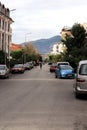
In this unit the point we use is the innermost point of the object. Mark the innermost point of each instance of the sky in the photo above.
(41, 19)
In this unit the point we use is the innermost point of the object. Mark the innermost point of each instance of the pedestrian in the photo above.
(40, 65)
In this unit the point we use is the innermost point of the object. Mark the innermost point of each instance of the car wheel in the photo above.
(59, 77)
(56, 76)
(73, 77)
(77, 95)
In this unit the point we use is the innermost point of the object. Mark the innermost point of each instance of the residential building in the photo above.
(5, 30)
(57, 48)
(85, 26)
(65, 31)
(15, 47)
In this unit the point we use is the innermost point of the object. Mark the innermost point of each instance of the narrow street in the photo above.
(36, 100)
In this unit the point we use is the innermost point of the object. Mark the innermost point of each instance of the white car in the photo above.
(62, 63)
(80, 85)
(4, 71)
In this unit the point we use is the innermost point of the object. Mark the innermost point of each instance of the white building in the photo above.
(5, 30)
(85, 26)
(65, 31)
(57, 48)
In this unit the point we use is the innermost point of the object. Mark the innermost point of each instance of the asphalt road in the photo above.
(36, 100)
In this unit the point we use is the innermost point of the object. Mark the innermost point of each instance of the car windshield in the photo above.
(17, 66)
(65, 67)
(83, 69)
(63, 63)
(2, 67)
(54, 65)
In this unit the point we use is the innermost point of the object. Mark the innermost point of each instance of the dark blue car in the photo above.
(64, 71)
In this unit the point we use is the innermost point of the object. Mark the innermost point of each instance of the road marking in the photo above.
(32, 79)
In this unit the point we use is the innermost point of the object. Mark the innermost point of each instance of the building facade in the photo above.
(57, 48)
(15, 47)
(85, 26)
(5, 30)
(65, 31)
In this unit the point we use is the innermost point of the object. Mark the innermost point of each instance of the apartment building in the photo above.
(65, 31)
(57, 48)
(15, 47)
(5, 30)
(85, 26)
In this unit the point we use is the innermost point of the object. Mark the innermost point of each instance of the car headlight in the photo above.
(3, 72)
(62, 73)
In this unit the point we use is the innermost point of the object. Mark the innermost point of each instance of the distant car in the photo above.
(53, 67)
(80, 84)
(27, 66)
(4, 71)
(63, 63)
(18, 68)
(64, 71)
(49, 63)
(31, 64)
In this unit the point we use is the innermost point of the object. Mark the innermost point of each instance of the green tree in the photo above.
(30, 49)
(75, 44)
(79, 34)
(28, 53)
(31, 52)
(17, 54)
(56, 58)
(17, 57)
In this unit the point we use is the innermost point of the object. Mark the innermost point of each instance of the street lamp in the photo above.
(26, 37)
(10, 40)
(12, 10)
(25, 44)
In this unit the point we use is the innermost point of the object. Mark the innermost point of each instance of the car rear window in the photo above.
(63, 64)
(54, 65)
(83, 69)
(2, 67)
(66, 67)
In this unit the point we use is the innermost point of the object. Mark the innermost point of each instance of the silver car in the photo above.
(4, 71)
(80, 85)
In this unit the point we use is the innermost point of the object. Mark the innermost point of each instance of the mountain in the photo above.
(44, 45)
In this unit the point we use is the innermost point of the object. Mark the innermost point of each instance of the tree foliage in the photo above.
(56, 58)
(76, 44)
(79, 34)
(28, 53)
(30, 49)
(17, 54)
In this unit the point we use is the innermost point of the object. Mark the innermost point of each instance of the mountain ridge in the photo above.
(44, 45)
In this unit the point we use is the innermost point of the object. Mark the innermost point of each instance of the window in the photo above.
(8, 27)
(0, 23)
(83, 69)
(3, 24)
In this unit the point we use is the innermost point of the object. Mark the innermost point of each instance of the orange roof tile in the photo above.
(15, 47)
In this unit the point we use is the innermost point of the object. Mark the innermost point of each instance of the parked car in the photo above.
(63, 63)
(18, 68)
(4, 71)
(53, 67)
(80, 84)
(49, 63)
(64, 71)
(31, 64)
(27, 66)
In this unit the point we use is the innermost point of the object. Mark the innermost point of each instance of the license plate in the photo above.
(69, 75)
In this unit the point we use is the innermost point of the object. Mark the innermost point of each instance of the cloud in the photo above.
(44, 18)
